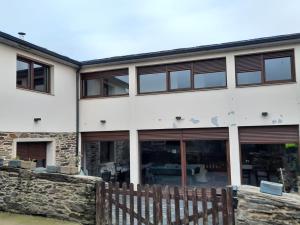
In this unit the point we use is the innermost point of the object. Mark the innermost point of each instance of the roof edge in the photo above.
(288, 38)
(35, 49)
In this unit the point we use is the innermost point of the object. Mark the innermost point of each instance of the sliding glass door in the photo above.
(194, 157)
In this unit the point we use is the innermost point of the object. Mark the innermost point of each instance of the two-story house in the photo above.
(205, 116)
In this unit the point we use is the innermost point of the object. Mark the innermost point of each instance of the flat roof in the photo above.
(274, 40)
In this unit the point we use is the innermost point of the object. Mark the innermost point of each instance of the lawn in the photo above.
(16, 219)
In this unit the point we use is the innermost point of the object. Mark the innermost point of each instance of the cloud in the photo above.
(96, 29)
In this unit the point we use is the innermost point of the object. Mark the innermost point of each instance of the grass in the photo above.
(16, 219)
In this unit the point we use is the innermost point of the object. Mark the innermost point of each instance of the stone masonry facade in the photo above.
(65, 145)
(255, 208)
(71, 198)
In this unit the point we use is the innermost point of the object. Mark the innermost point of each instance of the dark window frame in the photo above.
(101, 75)
(31, 75)
(264, 56)
(168, 68)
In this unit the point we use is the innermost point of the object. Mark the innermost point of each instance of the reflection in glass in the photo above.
(161, 162)
(208, 80)
(152, 82)
(206, 163)
(263, 162)
(180, 79)
(278, 69)
(92, 87)
(107, 159)
(249, 78)
(22, 74)
(40, 77)
(116, 85)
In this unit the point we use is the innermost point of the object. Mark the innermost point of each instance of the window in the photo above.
(207, 80)
(105, 83)
(106, 155)
(278, 69)
(153, 82)
(33, 75)
(182, 76)
(180, 79)
(265, 68)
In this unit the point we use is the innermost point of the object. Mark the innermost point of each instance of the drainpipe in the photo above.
(77, 113)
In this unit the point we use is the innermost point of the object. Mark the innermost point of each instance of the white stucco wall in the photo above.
(19, 107)
(230, 107)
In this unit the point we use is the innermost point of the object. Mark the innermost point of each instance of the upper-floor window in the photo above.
(33, 75)
(182, 76)
(264, 68)
(105, 83)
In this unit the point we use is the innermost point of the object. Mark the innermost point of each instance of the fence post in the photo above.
(100, 201)
(230, 206)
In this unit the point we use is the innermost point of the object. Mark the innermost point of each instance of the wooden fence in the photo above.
(153, 205)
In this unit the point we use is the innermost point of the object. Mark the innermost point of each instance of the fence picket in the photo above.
(159, 204)
(131, 204)
(168, 205)
(124, 198)
(177, 210)
(98, 204)
(109, 203)
(204, 206)
(117, 199)
(147, 203)
(224, 207)
(186, 205)
(230, 206)
(195, 206)
(139, 204)
(214, 203)
(154, 197)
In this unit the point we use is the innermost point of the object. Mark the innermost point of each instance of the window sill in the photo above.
(266, 84)
(103, 97)
(34, 91)
(182, 91)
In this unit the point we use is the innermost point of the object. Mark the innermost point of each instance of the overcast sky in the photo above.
(90, 29)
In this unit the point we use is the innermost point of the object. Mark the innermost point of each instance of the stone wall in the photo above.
(53, 195)
(65, 145)
(258, 208)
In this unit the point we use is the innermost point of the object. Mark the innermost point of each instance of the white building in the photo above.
(206, 116)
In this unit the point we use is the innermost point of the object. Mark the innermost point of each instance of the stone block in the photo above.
(14, 163)
(1, 162)
(28, 165)
(71, 170)
(52, 169)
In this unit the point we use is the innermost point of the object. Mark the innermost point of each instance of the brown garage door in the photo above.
(34, 151)
(269, 135)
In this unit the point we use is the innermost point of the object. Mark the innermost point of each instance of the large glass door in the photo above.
(185, 157)
(206, 163)
(161, 162)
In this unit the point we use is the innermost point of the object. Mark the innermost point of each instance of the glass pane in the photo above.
(116, 85)
(278, 69)
(107, 159)
(207, 80)
(161, 162)
(92, 87)
(249, 78)
(41, 74)
(180, 79)
(153, 82)
(206, 163)
(23, 74)
(263, 162)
